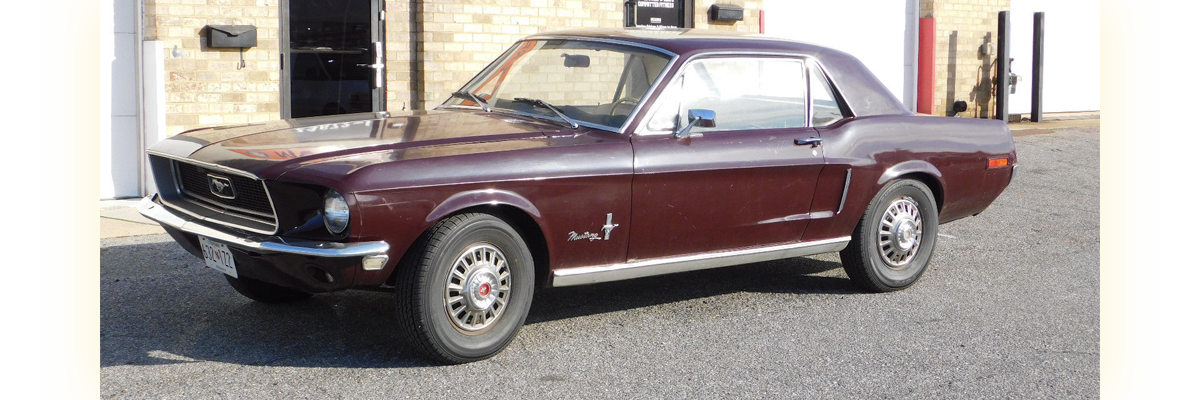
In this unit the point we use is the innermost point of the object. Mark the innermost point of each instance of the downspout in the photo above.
(912, 40)
(416, 49)
(138, 77)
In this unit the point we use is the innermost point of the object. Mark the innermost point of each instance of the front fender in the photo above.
(484, 197)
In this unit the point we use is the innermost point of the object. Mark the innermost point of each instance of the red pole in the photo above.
(925, 56)
(762, 21)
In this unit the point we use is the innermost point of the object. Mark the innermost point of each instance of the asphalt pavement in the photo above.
(1009, 308)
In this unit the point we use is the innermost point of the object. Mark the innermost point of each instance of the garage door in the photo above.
(872, 30)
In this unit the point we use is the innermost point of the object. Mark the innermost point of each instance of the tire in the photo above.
(265, 292)
(881, 261)
(464, 288)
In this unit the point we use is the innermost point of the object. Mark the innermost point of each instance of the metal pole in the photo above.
(1039, 36)
(1002, 68)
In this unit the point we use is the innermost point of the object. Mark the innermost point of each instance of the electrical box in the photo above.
(659, 14)
(725, 12)
(232, 36)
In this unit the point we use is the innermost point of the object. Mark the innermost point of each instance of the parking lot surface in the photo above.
(1008, 308)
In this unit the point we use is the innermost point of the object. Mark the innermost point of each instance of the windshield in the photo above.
(590, 82)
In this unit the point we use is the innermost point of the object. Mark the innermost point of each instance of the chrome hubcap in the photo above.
(900, 232)
(477, 288)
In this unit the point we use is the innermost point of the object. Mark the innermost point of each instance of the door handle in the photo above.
(377, 65)
(813, 141)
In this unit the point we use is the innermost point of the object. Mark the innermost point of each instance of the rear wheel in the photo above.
(265, 292)
(465, 290)
(894, 239)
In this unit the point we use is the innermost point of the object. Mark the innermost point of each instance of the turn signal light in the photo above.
(998, 162)
(374, 263)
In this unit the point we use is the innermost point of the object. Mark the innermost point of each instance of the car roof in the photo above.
(861, 90)
(684, 41)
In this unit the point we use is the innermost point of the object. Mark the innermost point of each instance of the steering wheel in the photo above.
(630, 100)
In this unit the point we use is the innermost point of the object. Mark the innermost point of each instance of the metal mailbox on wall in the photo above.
(659, 13)
(232, 36)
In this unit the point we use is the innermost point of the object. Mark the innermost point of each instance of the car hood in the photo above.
(270, 149)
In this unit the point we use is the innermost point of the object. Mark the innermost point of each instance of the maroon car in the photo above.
(581, 157)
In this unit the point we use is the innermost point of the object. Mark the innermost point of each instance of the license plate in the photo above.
(217, 256)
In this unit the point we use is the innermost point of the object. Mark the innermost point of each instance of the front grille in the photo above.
(250, 200)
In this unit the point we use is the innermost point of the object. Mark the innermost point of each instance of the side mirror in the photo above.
(698, 117)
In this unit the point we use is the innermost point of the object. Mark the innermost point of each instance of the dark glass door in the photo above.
(333, 58)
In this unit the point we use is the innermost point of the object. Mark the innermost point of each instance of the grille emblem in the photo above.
(221, 187)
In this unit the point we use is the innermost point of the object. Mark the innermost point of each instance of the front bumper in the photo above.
(307, 265)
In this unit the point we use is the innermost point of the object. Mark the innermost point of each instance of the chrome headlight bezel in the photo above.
(335, 212)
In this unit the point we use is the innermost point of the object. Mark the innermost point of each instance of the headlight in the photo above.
(337, 212)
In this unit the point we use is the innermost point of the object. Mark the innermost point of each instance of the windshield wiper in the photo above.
(471, 96)
(539, 102)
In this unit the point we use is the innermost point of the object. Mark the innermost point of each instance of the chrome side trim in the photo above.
(273, 244)
(845, 191)
(695, 262)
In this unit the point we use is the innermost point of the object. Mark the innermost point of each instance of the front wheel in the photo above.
(894, 240)
(465, 290)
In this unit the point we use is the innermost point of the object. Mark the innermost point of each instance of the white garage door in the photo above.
(1072, 53)
(872, 30)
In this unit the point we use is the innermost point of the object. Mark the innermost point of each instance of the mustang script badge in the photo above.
(607, 228)
(571, 237)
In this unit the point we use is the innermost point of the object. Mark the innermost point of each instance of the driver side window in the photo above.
(746, 93)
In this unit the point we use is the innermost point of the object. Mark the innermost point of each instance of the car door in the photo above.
(747, 181)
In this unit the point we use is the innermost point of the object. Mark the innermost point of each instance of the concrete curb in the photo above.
(120, 218)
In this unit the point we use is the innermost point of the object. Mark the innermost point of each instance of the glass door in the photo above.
(333, 58)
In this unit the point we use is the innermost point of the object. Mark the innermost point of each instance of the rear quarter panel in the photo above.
(950, 154)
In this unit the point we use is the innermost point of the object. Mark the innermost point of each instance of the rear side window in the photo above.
(825, 105)
(745, 93)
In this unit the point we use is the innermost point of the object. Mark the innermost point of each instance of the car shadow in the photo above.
(160, 305)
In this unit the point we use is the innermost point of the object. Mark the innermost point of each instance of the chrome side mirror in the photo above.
(698, 117)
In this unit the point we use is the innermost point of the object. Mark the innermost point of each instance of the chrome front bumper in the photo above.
(273, 244)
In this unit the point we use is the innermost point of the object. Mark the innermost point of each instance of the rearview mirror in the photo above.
(698, 117)
(576, 60)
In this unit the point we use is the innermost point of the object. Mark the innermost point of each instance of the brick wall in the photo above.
(963, 71)
(453, 39)
(460, 37)
(203, 85)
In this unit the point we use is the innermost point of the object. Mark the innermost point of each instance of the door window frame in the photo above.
(817, 71)
(812, 66)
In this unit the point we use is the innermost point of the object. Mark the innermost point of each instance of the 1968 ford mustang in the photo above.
(581, 157)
